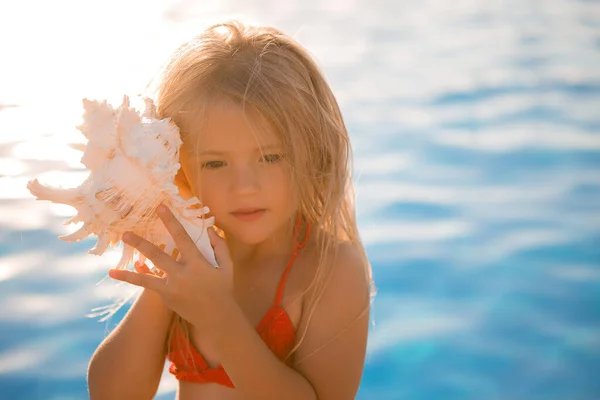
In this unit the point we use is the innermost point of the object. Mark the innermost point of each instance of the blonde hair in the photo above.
(268, 71)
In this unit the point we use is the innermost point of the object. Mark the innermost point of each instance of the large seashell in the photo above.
(133, 159)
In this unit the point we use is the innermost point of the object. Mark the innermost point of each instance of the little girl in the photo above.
(286, 313)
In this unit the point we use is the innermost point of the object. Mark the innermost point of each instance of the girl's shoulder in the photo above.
(334, 321)
(342, 267)
(348, 269)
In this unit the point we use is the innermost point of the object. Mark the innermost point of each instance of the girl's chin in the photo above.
(252, 232)
(249, 234)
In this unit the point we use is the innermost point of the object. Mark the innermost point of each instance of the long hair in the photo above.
(264, 69)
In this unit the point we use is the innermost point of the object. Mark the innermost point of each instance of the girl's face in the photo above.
(240, 174)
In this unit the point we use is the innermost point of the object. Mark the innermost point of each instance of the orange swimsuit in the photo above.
(275, 329)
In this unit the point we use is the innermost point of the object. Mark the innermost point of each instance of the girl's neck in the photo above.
(279, 245)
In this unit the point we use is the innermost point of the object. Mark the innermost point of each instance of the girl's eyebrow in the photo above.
(257, 149)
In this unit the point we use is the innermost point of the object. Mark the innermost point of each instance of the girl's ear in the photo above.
(183, 184)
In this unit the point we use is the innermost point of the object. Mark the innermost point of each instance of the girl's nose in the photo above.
(245, 180)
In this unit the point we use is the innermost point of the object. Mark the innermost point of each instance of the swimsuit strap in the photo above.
(297, 246)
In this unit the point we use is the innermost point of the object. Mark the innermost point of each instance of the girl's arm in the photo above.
(128, 364)
(329, 363)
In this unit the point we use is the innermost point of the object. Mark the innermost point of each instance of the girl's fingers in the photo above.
(183, 242)
(220, 249)
(147, 281)
(158, 257)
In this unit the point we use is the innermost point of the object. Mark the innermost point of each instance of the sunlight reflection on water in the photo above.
(477, 141)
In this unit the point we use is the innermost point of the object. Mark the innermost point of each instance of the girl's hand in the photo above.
(191, 287)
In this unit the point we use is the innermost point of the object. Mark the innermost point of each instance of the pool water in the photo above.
(476, 129)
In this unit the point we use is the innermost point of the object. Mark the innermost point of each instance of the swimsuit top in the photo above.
(275, 329)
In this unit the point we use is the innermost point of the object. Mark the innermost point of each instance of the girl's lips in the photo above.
(249, 215)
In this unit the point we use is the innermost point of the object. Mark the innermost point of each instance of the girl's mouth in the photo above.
(249, 215)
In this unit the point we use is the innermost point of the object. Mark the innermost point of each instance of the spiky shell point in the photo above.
(133, 158)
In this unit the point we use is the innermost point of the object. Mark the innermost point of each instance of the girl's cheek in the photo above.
(211, 196)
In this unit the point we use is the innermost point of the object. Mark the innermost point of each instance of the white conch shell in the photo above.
(133, 160)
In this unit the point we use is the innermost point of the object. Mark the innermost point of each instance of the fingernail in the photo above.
(127, 236)
(112, 273)
(161, 209)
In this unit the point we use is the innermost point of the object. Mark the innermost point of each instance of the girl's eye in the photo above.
(213, 164)
(272, 158)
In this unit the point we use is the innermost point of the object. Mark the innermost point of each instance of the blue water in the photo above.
(476, 128)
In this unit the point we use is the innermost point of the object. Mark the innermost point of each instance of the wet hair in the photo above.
(261, 69)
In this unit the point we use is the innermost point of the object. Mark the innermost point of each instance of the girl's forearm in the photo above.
(129, 362)
(254, 370)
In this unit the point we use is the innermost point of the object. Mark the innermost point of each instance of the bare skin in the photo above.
(224, 305)
(254, 292)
